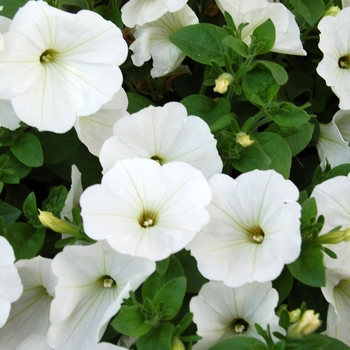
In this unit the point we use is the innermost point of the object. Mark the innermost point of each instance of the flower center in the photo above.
(147, 219)
(257, 234)
(344, 62)
(48, 56)
(108, 281)
(158, 159)
(239, 325)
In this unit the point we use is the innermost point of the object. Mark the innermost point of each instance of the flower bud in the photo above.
(294, 315)
(177, 344)
(244, 139)
(332, 11)
(56, 224)
(307, 324)
(334, 237)
(222, 83)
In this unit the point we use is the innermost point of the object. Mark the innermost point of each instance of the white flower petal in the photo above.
(143, 11)
(10, 283)
(331, 146)
(83, 307)
(256, 13)
(95, 129)
(259, 203)
(29, 321)
(133, 191)
(50, 95)
(166, 133)
(217, 307)
(152, 40)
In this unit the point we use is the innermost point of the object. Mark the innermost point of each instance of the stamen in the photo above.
(258, 238)
(108, 282)
(239, 328)
(148, 222)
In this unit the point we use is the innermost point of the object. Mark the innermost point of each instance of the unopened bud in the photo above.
(222, 82)
(177, 344)
(56, 224)
(294, 315)
(244, 139)
(332, 11)
(334, 237)
(307, 324)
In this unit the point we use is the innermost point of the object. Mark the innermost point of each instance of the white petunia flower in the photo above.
(337, 292)
(165, 134)
(58, 66)
(29, 319)
(334, 43)
(333, 202)
(152, 41)
(144, 11)
(333, 143)
(345, 3)
(10, 283)
(95, 129)
(221, 312)
(8, 117)
(256, 13)
(92, 282)
(145, 209)
(254, 228)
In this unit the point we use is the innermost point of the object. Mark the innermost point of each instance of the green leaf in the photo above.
(11, 7)
(283, 284)
(8, 213)
(162, 266)
(130, 321)
(297, 137)
(26, 241)
(308, 211)
(222, 123)
(309, 268)
(171, 295)
(335, 344)
(137, 102)
(309, 342)
(57, 147)
(264, 37)
(278, 72)
(27, 149)
(195, 280)
(284, 321)
(155, 282)
(241, 343)
(206, 108)
(30, 210)
(202, 42)
(236, 45)
(257, 84)
(311, 10)
(157, 338)
(286, 114)
(55, 201)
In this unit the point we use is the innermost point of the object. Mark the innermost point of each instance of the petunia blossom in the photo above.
(145, 209)
(334, 43)
(221, 312)
(333, 143)
(144, 11)
(8, 117)
(256, 13)
(166, 134)
(95, 129)
(152, 41)
(92, 282)
(333, 202)
(29, 319)
(53, 75)
(254, 228)
(10, 282)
